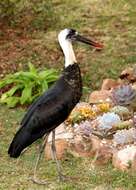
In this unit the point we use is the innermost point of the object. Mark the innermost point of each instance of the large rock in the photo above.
(92, 147)
(103, 152)
(109, 84)
(62, 138)
(125, 158)
(84, 147)
(129, 74)
(79, 146)
(61, 148)
(61, 132)
(133, 165)
(100, 96)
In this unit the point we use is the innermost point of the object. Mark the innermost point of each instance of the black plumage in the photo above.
(49, 110)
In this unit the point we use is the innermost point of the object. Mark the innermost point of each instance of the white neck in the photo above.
(68, 51)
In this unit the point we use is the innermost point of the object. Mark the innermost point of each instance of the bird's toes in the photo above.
(39, 182)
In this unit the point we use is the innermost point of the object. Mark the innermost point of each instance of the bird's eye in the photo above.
(71, 34)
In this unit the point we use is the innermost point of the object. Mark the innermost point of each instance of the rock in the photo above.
(61, 133)
(104, 152)
(133, 165)
(62, 138)
(81, 105)
(109, 84)
(123, 159)
(129, 74)
(96, 143)
(61, 148)
(84, 147)
(81, 147)
(100, 96)
(93, 147)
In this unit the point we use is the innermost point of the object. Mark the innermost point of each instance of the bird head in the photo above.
(72, 35)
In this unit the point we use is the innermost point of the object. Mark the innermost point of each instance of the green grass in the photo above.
(16, 173)
(108, 21)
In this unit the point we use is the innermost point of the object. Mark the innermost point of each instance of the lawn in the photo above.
(16, 174)
(107, 21)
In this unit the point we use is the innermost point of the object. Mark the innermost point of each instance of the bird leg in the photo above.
(53, 148)
(42, 147)
(62, 177)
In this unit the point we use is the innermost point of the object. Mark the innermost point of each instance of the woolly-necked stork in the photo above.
(53, 107)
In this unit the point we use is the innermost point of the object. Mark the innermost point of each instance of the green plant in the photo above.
(123, 95)
(26, 86)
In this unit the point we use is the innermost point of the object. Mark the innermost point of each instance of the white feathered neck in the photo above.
(67, 48)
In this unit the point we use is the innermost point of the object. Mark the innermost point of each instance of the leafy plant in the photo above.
(26, 86)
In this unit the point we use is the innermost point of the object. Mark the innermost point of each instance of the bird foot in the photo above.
(39, 182)
(62, 178)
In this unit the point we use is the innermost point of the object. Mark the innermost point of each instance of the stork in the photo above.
(53, 106)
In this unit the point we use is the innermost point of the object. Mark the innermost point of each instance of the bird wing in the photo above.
(31, 109)
(50, 109)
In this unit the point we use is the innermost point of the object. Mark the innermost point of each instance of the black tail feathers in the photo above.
(14, 150)
(18, 144)
(22, 139)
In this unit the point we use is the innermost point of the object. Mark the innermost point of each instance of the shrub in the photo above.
(26, 86)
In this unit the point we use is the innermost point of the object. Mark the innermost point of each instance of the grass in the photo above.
(108, 21)
(16, 174)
